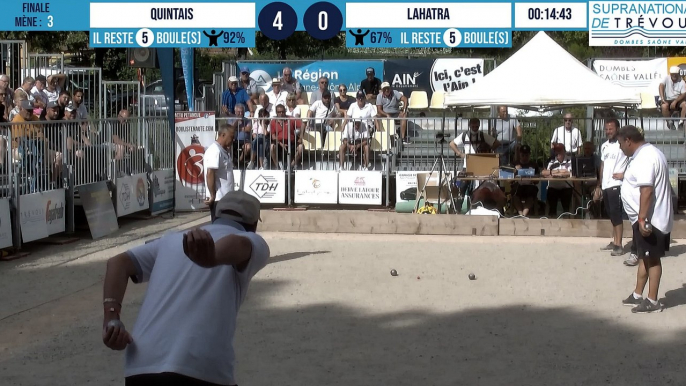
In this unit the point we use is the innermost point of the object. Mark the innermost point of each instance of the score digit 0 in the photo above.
(323, 20)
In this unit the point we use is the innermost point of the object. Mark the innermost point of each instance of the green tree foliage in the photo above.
(300, 45)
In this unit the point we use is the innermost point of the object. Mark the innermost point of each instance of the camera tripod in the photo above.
(442, 169)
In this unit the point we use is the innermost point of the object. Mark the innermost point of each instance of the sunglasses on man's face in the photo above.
(567, 120)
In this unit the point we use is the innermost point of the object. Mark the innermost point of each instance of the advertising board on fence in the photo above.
(359, 187)
(406, 186)
(5, 223)
(316, 187)
(644, 76)
(97, 203)
(195, 131)
(347, 72)
(445, 75)
(269, 186)
(42, 214)
(161, 191)
(132, 194)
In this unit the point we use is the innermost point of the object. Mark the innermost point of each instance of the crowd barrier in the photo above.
(51, 166)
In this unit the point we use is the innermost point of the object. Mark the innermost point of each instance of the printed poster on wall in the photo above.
(5, 223)
(161, 191)
(406, 186)
(269, 186)
(446, 75)
(347, 72)
(359, 187)
(97, 203)
(644, 76)
(316, 187)
(42, 214)
(132, 194)
(195, 131)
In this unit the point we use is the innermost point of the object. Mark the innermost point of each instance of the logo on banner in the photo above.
(265, 187)
(125, 196)
(406, 80)
(189, 163)
(316, 183)
(450, 75)
(262, 79)
(156, 189)
(359, 181)
(53, 214)
(637, 23)
(140, 191)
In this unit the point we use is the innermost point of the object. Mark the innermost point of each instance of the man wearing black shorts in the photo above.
(647, 199)
(612, 165)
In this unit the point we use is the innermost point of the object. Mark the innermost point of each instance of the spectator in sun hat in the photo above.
(249, 85)
(277, 96)
(371, 85)
(673, 96)
(207, 270)
(234, 95)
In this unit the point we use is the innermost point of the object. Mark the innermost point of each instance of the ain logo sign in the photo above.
(189, 164)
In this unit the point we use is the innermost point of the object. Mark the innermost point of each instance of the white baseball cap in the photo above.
(384, 85)
(674, 70)
(233, 79)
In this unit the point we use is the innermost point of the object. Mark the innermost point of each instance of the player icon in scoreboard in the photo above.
(213, 37)
(359, 36)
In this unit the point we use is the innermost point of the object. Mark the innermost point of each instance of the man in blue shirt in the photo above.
(233, 96)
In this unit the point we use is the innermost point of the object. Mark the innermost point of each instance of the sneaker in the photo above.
(251, 165)
(632, 260)
(406, 141)
(617, 251)
(647, 307)
(671, 126)
(632, 301)
(608, 247)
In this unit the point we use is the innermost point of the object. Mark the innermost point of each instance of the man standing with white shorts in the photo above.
(197, 282)
(218, 165)
(647, 198)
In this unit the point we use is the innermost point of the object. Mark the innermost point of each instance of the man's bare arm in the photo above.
(211, 186)
(645, 201)
(119, 269)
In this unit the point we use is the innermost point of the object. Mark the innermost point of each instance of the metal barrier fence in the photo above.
(44, 64)
(13, 55)
(88, 80)
(120, 95)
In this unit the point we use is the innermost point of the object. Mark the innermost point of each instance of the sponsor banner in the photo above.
(97, 203)
(269, 186)
(679, 62)
(347, 72)
(359, 187)
(446, 75)
(195, 131)
(5, 223)
(132, 194)
(636, 23)
(406, 186)
(42, 214)
(644, 76)
(316, 187)
(161, 191)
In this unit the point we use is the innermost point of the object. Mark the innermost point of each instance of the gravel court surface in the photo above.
(326, 311)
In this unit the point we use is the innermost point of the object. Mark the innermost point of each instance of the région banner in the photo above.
(195, 131)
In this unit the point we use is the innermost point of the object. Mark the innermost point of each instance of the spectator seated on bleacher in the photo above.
(277, 96)
(388, 106)
(243, 139)
(284, 141)
(317, 94)
(559, 191)
(233, 96)
(266, 105)
(371, 85)
(673, 96)
(525, 192)
(40, 97)
(361, 111)
(260, 140)
(19, 97)
(343, 100)
(124, 148)
(29, 143)
(355, 140)
(77, 135)
(292, 109)
(249, 85)
(52, 130)
(322, 115)
(291, 85)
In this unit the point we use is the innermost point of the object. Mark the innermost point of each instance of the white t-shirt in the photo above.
(353, 135)
(271, 108)
(614, 161)
(295, 113)
(571, 139)
(364, 114)
(52, 95)
(673, 90)
(321, 112)
(187, 321)
(277, 99)
(564, 165)
(648, 167)
(42, 95)
(505, 129)
(471, 142)
(217, 158)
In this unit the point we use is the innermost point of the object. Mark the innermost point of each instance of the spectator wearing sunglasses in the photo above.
(568, 135)
(343, 100)
(323, 86)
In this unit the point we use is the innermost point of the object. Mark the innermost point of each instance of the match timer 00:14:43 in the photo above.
(551, 16)
(537, 13)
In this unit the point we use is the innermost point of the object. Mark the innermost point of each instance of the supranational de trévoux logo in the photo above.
(637, 23)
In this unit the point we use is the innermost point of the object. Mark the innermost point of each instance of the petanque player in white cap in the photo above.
(673, 96)
(197, 281)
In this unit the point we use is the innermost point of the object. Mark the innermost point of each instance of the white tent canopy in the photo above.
(542, 74)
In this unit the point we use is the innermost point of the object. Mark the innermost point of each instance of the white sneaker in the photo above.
(632, 260)
(251, 165)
